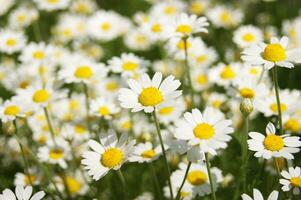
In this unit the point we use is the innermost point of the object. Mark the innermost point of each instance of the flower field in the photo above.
(150, 99)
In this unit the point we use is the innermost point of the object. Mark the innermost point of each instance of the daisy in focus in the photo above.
(269, 55)
(109, 154)
(258, 196)
(273, 145)
(207, 131)
(147, 94)
(291, 180)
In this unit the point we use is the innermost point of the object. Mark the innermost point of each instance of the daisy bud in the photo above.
(246, 106)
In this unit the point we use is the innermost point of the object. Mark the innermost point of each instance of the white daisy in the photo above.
(185, 25)
(51, 5)
(248, 35)
(145, 152)
(269, 55)
(102, 107)
(273, 145)
(147, 94)
(258, 196)
(21, 193)
(11, 41)
(226, 17)
(208, 131)
(291, 180)
(11, 109)
(109, 154)
(223, 74)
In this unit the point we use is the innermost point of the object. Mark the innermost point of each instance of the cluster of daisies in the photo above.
(73, 111)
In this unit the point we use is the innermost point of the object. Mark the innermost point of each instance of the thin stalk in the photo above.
(87, 101)
(122, 179)
(44, 168)
(52, 133)
(187, 68)
(210, 177)
(164, 153)
(244, 145)
(155, 178)
(26, 170)
(276, 87)
(183, 181)
(277, 168)
(37, 31)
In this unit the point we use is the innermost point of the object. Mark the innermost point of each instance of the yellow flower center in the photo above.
(253, 71)
(170, 10)
(39, 55)
(56, 154)
(148, 154)
(202, 79)
(156, 28)
(83, 72)
(111, 86)
(82, 8)
(141, 39)
(197, 8)
(273, 142)
(181, 45)
(21, 17)
(112, 157)
(274, 107)
(292, 125)
(197, 177)
(274, 53)
(204, 131)
(73, 104)
(104, 111)
(72, 184)
(296, 181)
(126, 125)
(184, 28)
(225, 17)
(53, 1)
(247, 93)
(79, 129)
(105, 26)
(150, 96)
(216, 103)
(28, 179)
(40, 96)
(12, 110)
(248, 37)
(129, 66)
(11, 42)
(227, 73)
(166, 110)
(201, 58)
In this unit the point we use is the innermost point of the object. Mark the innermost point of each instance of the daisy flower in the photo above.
(83, 7)
(51, 5)
(22, 17)
(291, 180)
(147, 94)
(128, 65)
(82, 71)
(223, 16)
(170, 111)
(136, 39)
(24, 179)
(246, 36)
(102, 107)
(223, 74)
(11, 41)
(185, 25)
(145, 152)
(36, 53)
(11, 109)
(168, 9)
(273, 145)
(109, 154)
(208, 131)
(269, 55)
(21, 193)
(258, 196)
(156, 29)
(198, 7)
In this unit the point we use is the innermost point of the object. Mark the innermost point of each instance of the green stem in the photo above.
(276, 87)
(183, 181)
(244, 145)
(277, 168)
(155, 178)
(210, 177)
(52, 133)
(122, 179)
(37, 31)
(188, 71)
(163, 152)
(26, 165)
(87, 101)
